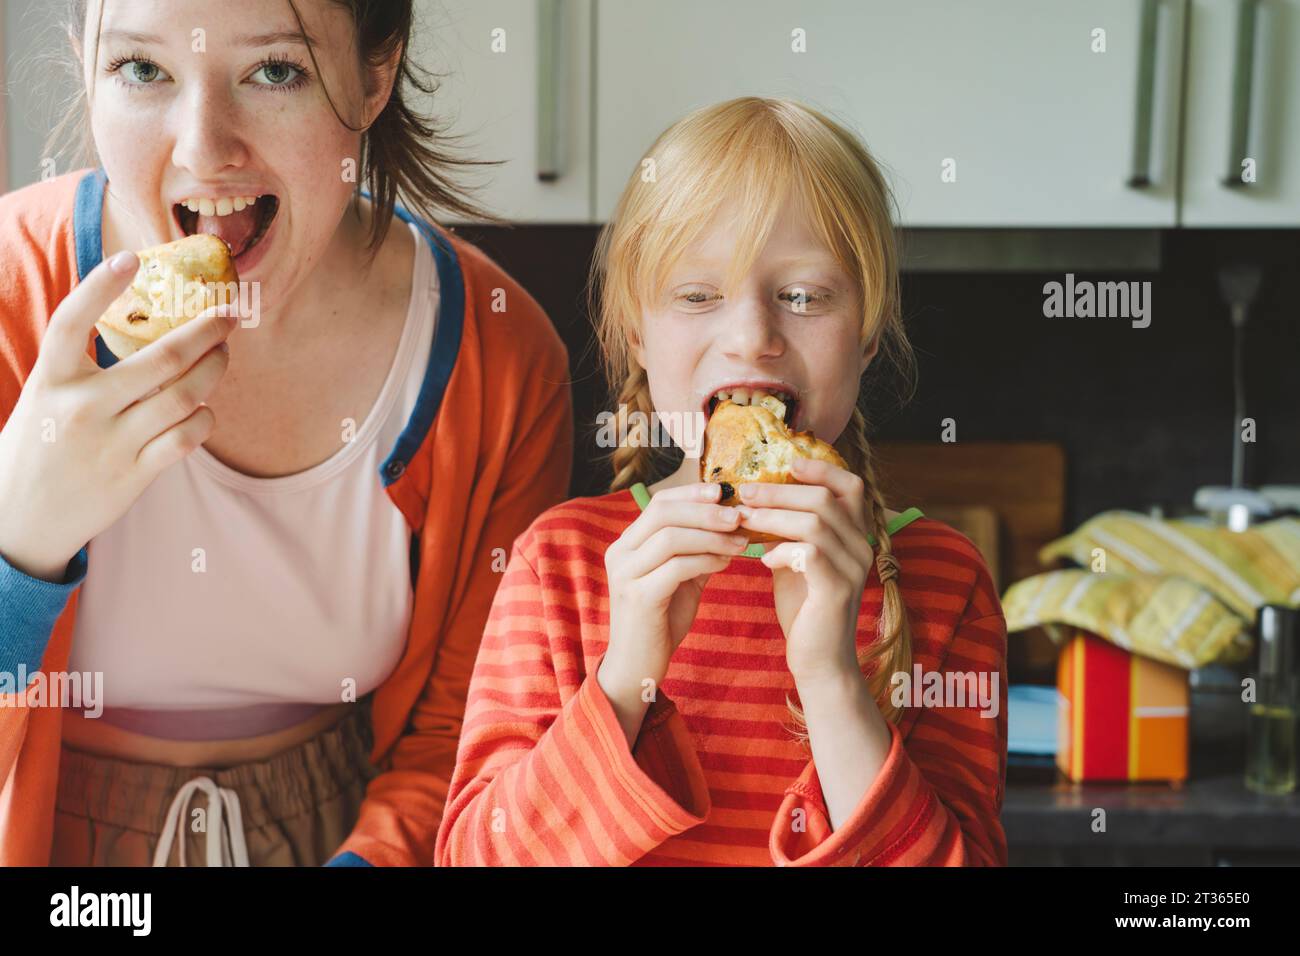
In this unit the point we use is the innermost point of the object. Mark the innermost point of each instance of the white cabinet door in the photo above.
(516, 88)
(1255, 132)
(1042, 128)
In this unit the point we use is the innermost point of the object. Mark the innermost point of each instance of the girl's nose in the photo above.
(206, 137)
(753, 333)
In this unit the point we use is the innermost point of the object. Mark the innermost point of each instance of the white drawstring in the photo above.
(225, 845)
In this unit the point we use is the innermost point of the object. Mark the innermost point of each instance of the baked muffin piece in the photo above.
(175, 283)
(744, 443)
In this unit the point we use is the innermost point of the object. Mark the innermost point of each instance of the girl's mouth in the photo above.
(240, 230)
(785, 405)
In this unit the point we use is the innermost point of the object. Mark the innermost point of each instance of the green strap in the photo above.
(641, 494)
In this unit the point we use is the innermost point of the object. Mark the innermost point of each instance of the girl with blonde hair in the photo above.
(633, 694)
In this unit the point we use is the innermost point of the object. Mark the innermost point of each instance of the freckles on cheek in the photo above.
(310, 135)
(333, 161)
(136, 168)
(316, 156)
(852, 376)
(127, 135)
(670, 364)
(301, 125)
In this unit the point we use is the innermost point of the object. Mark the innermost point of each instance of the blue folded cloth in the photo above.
(1032, 715)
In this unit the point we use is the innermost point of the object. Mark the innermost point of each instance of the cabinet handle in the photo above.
(548, 88)
(1243, 71)
(1148, 34)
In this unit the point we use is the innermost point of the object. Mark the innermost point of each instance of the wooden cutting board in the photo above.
(1007, 497)
(1010, 495)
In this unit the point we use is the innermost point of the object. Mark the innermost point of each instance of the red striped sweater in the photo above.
(544, 775)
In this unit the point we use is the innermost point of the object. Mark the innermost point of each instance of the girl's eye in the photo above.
(802, 299)
(281, 74)
(696, 297)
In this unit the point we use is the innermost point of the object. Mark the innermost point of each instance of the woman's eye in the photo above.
(144, 72)
(137, 72)
(279, 73)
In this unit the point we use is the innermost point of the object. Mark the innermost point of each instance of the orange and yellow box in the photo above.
(1123, 716)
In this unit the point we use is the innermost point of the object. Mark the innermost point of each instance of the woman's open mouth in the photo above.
(240, 224)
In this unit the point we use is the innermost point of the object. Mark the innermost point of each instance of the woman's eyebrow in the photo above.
(276, 36)
(251, 40)
(130, 36)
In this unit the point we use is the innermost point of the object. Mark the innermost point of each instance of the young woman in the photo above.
(629, 703)
(276, 544)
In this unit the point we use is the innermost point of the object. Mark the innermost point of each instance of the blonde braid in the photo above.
(633, 460)
(893, 646)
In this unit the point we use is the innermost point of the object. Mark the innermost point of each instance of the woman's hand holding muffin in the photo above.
(83, 443)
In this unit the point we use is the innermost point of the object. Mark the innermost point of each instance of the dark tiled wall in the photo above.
(1145, 415)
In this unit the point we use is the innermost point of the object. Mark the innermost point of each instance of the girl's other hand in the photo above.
(657, 570)
(83, 443)
(818, 575)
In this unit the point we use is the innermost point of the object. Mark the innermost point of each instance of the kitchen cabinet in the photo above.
(1243, 116)
(999, 113)
(1041, 126)
(515, 86)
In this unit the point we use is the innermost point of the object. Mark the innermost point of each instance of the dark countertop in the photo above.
(1215, 811)
(1209, 819)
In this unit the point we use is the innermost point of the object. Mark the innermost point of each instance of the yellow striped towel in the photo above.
(1243, 569)
(1163, 617)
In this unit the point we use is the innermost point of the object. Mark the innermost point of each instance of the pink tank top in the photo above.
(223, 606)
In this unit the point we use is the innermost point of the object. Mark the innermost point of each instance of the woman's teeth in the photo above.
(239, 221)
(219, 207)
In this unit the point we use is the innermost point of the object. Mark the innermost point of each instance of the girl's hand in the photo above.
(657, 570)
(819, 574)
(83, 443)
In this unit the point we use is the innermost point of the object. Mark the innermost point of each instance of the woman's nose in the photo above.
(753, 333)
(206, 132)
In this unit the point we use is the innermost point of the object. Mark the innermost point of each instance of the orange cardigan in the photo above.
(545, 776)
(495, 405)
